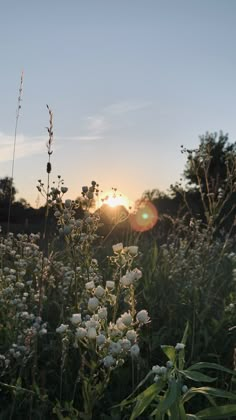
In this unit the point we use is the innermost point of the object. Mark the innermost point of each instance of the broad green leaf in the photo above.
(220, 412)
(169, 352)
(177, 411)
(197, 376)
(215, 366)
(127, 401)
(145, 398)
(192, 417)
(168, 400)
(213, 392)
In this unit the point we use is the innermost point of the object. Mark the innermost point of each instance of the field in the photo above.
(129, 319)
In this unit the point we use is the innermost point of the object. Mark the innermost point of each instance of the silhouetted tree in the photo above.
(7, 191)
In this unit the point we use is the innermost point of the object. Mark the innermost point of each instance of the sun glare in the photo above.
(113, 199)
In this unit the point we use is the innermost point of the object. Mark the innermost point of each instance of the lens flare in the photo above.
(145, 217)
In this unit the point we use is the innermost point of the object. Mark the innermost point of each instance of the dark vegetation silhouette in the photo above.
(207, 173)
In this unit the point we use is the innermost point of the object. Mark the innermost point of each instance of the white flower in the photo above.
(156, 369)
(99, 291)
(64, 190)
(115, 348)
(133, 250)
(120, 325)
(125, 344)
(135, 350)
(102, 313)
(92, 333)
(100, 339)
(184, 389)
(126, 318)
(163, 370)
(110, 284)
(67, 203)
(137, 274)
(179, 346)
(80, 332)
(76, 319)
(90, 285)
(131, 335)
(93, 303)
(43, 331)
(142, 317)
(117, 248)
(169, 364)
(62, 328)
(108, 361)
(127, 279)
(92, 323)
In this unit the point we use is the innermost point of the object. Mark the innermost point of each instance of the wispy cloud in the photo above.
(126, 106)
(25, 146)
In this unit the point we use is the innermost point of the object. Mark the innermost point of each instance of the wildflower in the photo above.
(142, 317)
(131, 335)
(62, 328)
(76, 319)
(100, 339)
(133, 250)
(117, 248)
(127, 279)
(120, 325)
(115, 348)
(135, 350)
(137, 274)
(169, 364)
(156, 369)
(93, 303)
(68, 203)
(90, 285)
(92, 333)
(179, 346)
(108, 361)
(99, 291)
(110, 284)
(125, 344)
(64, 190)
(126, 318)
(184, 389)
(81, 332)
(102, 313)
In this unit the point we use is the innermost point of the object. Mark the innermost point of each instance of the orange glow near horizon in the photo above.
(113, 199)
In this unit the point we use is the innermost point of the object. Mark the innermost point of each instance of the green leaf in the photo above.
(169, 399)
(169, 352)
(215, 366)
(185, 336)
(213, 392)
(192, 417)
(220, 412)
(197, 376)
(145, 398)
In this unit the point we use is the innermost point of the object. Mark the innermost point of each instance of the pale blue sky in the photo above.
(129, 81)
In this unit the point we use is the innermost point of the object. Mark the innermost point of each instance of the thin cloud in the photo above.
(25, 146)
(126, 106)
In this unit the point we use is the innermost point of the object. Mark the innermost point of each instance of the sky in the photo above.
(128, 81)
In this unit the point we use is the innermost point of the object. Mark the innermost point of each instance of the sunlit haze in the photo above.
(129, 82)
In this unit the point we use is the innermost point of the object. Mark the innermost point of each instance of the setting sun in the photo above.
(113, 198)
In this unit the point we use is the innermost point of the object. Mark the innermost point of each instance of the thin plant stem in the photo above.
(14, 148)
(49, 168)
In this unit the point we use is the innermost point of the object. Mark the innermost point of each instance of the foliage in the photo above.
(7, 191)
(169, 395)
